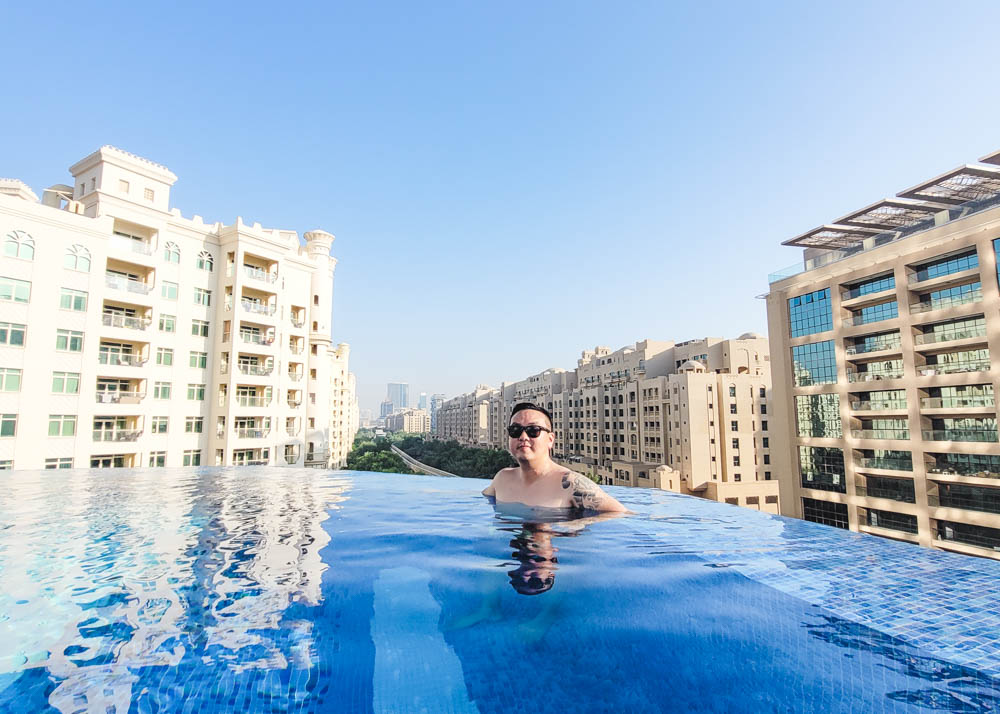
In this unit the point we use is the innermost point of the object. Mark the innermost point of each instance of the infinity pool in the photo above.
(273, 590)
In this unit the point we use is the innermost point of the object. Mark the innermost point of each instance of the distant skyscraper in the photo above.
(399, 394)
(422, 401)
(436, 401)
(385, 408)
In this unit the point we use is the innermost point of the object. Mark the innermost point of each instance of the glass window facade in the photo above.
(898, 489)
(810, 313)
(822, 468)
(969, 534)
(830, 514)
(814, 363)
(972, 498)
(876, 342)
(876, 313)
(955, 295)
(892, 520)
(886, 459)
(872, 285)
(954, 330)
(983, 465)
(949, 265)
(818, 415)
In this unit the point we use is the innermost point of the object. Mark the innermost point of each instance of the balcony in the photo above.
(899, 434)
(257, 307)
(888, 493)
(252, 433)
(142, 247)
(118, 282)
(103, 397)
(983, 400)
(974, 365)
(255, 338)
(297, 350)
(248, 401)
(874, 346)
(960, 434)
(127, 360)
(117, 434)
(298, 323)
(971, 471)
(259, 274)
(110, 319)
(295, 376)
(865, 291)
(885, 463)
(292, 431)
(855, 376)
(931, 338)
(887, 404)
(294, 403)
(951, 301)
(256, 370)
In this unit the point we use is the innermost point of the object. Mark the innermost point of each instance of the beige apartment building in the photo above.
(689, 417)
(345, 419)
(883, 340)
(410, 420)
(132, 336)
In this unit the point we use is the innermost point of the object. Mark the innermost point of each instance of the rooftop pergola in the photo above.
(891, 214)
(958, 186)
(832, 237)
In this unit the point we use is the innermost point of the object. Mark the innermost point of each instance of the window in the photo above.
(192, 457)
(732, 390)
(946, 266)
(148, 194)
(767, 459)
(766, 442)
(15, 290)
(810, 313)
(12, 334)
(767, 477)
(62, 425)
(822, 468)
(826, 512)
(69, 341)
(205, 261)
(202, 297)
(157, 458)
(196, 392)
(64, 463)
(819, 415)
(72, 300)
(763, 426)
(164, 356)
(168, 323)
(194, 425)
(8, 424)
(169, 290)
(732, 408)
(736, 443)
(65, 382)
(123, 185)
(18, 244)
(763, 409)
(734, 426)
(199, 328)
(160, 424)
(171, 253)
(763, 392)
(736, 461)
(77, 258)
(10, 379)
(161, 390)
(814, 363)
(736, 477)
(198, 360)
(6, 465)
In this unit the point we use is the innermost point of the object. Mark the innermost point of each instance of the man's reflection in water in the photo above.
(534, 551)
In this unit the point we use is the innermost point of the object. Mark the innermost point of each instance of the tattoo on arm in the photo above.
(585, 492)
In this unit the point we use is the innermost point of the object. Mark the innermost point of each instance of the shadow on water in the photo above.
(952, 688)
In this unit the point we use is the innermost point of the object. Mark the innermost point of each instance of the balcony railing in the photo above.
(867, 406)
(252, 462)
(257, 370)
(127, 360)
(931, 338)
(891, 494)
(259, 274)
(118, 282)
(950, 301)
(298, 323)
(854, 376)
(257, 307)
(252, 433)
(856, 320)
(257, 338)
(294, 403)
(858, 292)
(975, 365)
(119, 397)
(952, 470)
(890, 464)
(136, 246)
(224, 368)
(226, 336)
(129, 323)
(960, 434)
(880, 433)
(296, 350)
(246, 401)
(984, 400)
(117, 434)
(292, 431)
(295, 376)
(873, 346)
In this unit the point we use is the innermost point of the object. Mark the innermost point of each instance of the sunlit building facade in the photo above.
(884, 340)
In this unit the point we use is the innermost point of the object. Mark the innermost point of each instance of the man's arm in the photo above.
(586, 494)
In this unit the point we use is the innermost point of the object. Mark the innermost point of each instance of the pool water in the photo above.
(274, 590)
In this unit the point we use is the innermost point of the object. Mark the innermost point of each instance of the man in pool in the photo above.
(537, 480)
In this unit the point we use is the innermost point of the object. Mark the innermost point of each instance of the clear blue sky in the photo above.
(512, 183)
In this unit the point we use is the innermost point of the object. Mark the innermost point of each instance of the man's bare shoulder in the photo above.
(501, 476)
(586, 494)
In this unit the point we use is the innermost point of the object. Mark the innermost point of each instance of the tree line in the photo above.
(454, 458)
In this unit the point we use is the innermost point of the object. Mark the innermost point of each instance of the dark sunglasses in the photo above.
(534, 431)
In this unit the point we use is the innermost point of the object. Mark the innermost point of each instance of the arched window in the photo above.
(77, 258)
(19, 244)
(205, 261)
(171, 253)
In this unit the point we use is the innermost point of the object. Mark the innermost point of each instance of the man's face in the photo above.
(524, 447)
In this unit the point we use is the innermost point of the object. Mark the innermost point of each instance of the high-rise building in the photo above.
(133, 336)
(399, 394)
(690, 417)
(413, 421)
(422, 401)
(436, 401)
(385, 409)
(883, 339)
(345, 419)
